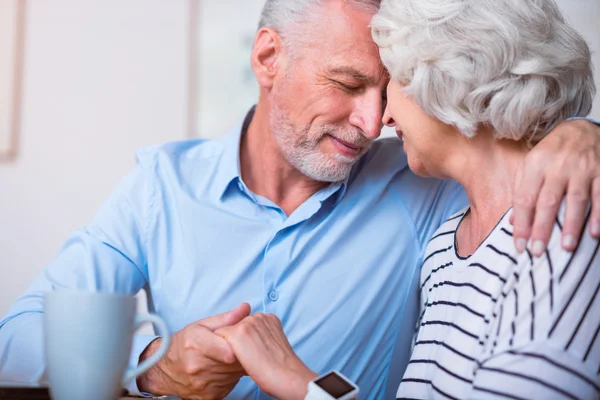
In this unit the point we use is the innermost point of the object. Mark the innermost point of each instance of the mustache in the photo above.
(354, 136)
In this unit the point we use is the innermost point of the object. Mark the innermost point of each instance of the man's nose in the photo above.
(367, 114)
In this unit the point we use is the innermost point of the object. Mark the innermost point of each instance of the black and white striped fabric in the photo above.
(501, 325)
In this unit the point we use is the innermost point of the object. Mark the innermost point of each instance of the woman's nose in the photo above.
(387, 119)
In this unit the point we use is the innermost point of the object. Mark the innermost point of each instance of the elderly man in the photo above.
(296, 212)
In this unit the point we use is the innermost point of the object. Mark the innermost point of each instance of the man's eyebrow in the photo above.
(349, 71)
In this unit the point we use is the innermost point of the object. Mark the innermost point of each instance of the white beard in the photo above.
(304, 153)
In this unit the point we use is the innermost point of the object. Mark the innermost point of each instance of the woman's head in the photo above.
(514, 66)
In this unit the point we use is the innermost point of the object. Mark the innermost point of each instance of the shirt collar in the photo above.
(229, 165)
(342, 190)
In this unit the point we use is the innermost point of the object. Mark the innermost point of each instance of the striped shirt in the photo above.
(498, 324)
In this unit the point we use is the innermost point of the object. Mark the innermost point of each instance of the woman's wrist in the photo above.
(293, 385)
(300, 383)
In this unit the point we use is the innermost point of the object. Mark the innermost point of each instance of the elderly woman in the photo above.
(474, 84)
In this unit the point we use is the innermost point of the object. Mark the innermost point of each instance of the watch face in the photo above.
(335, 385)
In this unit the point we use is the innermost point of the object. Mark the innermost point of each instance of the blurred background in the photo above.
(85, 83)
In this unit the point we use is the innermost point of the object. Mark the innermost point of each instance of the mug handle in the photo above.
(165, 336)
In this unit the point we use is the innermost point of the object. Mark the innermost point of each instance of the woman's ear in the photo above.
(266, 55)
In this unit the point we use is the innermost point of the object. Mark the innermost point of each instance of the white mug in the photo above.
(88, 342)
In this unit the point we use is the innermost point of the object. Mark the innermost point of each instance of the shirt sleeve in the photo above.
(108, 256)
(548, 345)
(593, 121)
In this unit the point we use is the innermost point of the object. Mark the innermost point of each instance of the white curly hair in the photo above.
(515, 65)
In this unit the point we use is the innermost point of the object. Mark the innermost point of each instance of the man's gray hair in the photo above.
(286, 16)
(515, 65)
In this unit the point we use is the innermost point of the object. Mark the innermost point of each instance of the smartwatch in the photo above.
(332, 385)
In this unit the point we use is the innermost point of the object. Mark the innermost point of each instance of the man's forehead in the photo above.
(342, 43)
(343, 26)
(371, 75)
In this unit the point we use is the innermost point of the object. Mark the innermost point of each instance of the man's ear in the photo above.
(266, 56)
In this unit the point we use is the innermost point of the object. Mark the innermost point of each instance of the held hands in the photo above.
(566, 162)
(208, 357)
(264, 352)
(199, 364)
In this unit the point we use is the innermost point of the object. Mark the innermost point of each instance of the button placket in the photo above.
(273, 263)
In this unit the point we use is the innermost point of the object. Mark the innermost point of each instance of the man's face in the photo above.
(328, 104)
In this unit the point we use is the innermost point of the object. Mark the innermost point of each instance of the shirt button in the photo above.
(273, 295)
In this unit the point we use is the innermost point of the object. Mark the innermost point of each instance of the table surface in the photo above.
(18, 390)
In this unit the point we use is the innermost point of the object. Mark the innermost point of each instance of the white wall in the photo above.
(102, 78)
(584, 15)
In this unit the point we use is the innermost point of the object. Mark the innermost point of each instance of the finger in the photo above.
(218, 349)
(228, 381)
(255, 327)
(239, 332)
(546, 210)
(276, 332)
(268, 327)
(595, 213)
(228, 318)
(577, 204)
(203, 342)
(247, 339)
(225, 332)
(273, 324)
(528, 183)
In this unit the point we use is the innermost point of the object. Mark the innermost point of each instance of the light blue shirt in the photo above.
(341, 272)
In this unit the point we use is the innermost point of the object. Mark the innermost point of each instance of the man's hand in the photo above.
(199, 363)
(567, 162)
(267, 356)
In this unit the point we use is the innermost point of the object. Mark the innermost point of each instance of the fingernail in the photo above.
(568, 242)
(521, 244)
(538, 248)
(596, 228)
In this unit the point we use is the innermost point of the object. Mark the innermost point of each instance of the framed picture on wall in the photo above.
(222, 81)
(12, 18)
